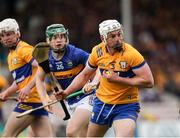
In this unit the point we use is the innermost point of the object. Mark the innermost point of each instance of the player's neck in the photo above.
(58, 56)
(111, 51)
(14, 46)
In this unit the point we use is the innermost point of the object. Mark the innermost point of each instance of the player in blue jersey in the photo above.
(66, 62)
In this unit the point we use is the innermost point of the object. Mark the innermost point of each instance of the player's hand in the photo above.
(3, 96)
(23, 93)
(60, 95)
(45, 102)
(88, 88)
(110, 75)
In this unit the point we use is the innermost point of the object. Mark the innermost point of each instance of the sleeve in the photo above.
(136, 59)
(92, 60)
(26, 53)
(81, 56)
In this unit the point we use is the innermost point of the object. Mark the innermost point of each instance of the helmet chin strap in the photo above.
(59, 50)
(58, 53)
(62, 50)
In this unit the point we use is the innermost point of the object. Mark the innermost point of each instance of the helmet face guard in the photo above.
(108, 26)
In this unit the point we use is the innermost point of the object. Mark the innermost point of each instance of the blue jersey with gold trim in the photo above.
(122, 63)
(69, 66)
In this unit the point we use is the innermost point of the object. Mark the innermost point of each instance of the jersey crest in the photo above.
(123, 64)
(99, 52)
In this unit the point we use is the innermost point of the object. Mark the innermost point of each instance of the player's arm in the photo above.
(96, 79)
(80, 80)
(41, 88)
(9, 91)
(26, 54)
(92, 84)
(32, 83)
(143, 77)
(24, 92)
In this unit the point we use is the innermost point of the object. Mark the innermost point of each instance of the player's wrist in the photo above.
(7, 93)
(65, 94)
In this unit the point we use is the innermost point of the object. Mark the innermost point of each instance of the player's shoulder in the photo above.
(132, 53)
(71, 47)
(74, 50)
(23, 45)
(99, 47)
(129, 48)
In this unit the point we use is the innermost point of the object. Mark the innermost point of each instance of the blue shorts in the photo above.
(105, 114)
(22, 107)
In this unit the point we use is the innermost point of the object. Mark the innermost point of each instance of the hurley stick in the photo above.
(40, 53)
(31, 110)
(13, 98)
(53, 102)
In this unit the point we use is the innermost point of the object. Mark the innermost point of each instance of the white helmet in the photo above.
(9, 25)
(109, 26)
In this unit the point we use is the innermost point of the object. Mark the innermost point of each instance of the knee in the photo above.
(71, 132)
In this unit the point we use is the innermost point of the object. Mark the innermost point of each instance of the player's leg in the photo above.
(56, 118)
(14, 125)
(57, 113)
(124, 119)
(95, 130)
(124, 127)
(78, 123)
(41, 127)
(30, 132)
(83, 132)
(98, 125)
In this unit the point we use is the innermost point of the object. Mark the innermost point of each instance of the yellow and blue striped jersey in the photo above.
(122, 63)
(68, 67)
(19, 62)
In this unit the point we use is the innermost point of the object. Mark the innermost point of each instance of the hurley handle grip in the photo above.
(67, 115)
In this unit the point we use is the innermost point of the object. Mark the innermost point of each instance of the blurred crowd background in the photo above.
(155, 29)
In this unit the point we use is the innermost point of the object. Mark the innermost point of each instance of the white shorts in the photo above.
(85, 103)
(57, 116)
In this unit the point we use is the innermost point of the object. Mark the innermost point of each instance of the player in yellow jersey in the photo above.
(123, 70)
(23, 69)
